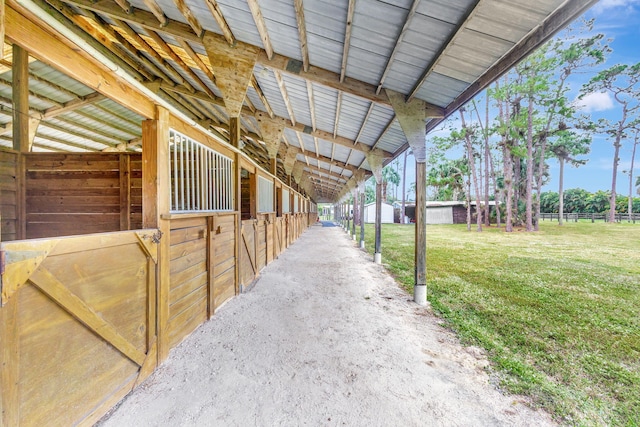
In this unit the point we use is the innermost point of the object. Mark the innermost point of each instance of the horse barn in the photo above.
(157, 154)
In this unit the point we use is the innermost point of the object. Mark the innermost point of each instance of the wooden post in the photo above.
(362, 197)
(125, 192)
(9, 361)
(2, 29)
(234, 140)
(20, 97)
(377, 256)
(420, 285)
(156, 206)
(411, 116)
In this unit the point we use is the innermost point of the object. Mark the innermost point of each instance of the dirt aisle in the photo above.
(325, 338)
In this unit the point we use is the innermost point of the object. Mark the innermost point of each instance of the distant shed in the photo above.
(449, 212)
(370, 213)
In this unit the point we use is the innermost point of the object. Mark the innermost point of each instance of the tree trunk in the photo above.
(487, 154)
(474, 176)
(633, 157)
(529, 177)
(616, 159)
(561, 191)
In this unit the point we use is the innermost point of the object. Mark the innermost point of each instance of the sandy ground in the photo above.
(325, 338)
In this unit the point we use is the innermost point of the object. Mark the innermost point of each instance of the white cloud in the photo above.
(604, 5)
(595, 101)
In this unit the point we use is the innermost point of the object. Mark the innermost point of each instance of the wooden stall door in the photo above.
(248, 254)
(223, 259)
(77, 325)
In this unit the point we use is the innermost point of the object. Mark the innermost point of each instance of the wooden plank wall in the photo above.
(82, 193)
(202, 270)
(223, 258)
(8, 194)
(76, 340)
(189, 278)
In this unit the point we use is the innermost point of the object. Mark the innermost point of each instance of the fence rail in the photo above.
(575, 217)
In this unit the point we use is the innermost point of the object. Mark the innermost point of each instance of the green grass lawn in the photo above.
(558, 310)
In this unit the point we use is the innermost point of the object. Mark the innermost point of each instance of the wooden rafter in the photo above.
(302, 33)
(347, 39)
(364, 122)
(273, 61)
(320, 171)
(214, 8)
(444, 48)
(384, 132)
(261, 26)
(315, 143)
(336, 121)
(189, 16)
(301, 142)
(117, 46)
(125, 5)
(312, 105)
(156, 11)
(172, 74)
(285, 96)
(399, 39)
(263, 98)
(180, 63)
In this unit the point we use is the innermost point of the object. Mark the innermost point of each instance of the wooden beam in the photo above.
(222, 23)
(411, 116)
(298, 127)
(347, 39)
(72, 105)
(179, 62)
(174, 76)
(261, 27)
(58, 55)
(101, 31)
(263, 98)
(20, 98)
(156, 205)
(312, 104)
(125, 5)
(189, 16)
(156, 11)
(271, 60)
(401, 35)
(336, 121)
(446, 45)
(285, 96)
(1, 29)
(302, 33)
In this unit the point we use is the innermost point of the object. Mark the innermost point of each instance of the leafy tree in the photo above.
(549, 202)
(622, 81)
(598, 201)
(577, 200)
(566, 147)
(389, 175)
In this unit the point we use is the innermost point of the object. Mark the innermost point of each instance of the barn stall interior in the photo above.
(157, 155)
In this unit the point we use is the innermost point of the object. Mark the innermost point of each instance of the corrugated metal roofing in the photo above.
(435, 50)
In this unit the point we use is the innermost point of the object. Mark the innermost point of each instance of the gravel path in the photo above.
(325, 338)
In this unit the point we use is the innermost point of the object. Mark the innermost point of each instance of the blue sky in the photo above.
(619, 20)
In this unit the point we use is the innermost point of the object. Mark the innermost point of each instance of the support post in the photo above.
(20, 95)
(377, 255)
(156, 206)
(234, 140)
(420, 285)
(355, 213)
(362, 197)
(411, 116)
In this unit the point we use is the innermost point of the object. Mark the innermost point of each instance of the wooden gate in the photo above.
(77, 325)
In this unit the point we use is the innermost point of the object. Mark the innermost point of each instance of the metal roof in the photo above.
(440, 51)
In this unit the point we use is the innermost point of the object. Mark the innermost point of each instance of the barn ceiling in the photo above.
(323, 67)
